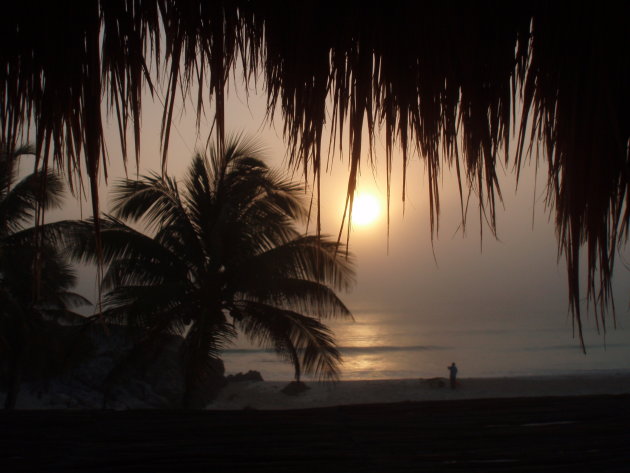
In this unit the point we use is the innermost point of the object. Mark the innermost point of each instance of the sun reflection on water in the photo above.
(359, 335)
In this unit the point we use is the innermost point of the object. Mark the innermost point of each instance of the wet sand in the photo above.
(551, 434)
(268, 394)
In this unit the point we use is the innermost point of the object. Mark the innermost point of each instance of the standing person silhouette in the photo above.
(453, 376)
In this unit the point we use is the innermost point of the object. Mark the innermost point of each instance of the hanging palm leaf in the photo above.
(454, 81)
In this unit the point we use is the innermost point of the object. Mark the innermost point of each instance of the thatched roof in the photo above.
(426, 72)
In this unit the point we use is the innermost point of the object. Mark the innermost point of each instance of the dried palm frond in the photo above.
(440, 78)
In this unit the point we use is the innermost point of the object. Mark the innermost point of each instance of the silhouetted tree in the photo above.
(221, 254)
(35, 279)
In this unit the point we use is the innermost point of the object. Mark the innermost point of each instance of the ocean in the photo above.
(398, 346)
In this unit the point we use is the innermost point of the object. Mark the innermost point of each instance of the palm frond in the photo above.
(9, 160)
(308, 257)
(33, 192)
(159, 205)
(50, 300)
(54, 234)
(299, 295)
(118, 240)
(67, 317)
(290, 333)
(151, 198)
(35, 272)
(164, 307)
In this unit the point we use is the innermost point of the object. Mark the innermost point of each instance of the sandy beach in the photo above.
(535, 434)
(268, 395)
(528, 424)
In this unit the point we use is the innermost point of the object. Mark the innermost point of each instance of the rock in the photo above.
(294, 388)
(251, 375)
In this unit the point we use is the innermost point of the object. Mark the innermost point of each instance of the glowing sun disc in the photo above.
(365, 210)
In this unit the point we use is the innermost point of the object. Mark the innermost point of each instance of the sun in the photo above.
(366, 209)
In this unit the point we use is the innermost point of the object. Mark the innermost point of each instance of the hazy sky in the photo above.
(515, 281)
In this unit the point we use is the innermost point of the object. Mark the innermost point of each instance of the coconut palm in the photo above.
(220, 255)
(35, 280)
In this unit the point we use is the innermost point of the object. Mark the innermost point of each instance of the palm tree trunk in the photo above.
(296, 362)
(14, 378)
(188, 398)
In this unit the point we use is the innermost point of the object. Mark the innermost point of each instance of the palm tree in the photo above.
(220, 255)
(35, 280)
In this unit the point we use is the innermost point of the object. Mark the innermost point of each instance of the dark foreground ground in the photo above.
(514, 435)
